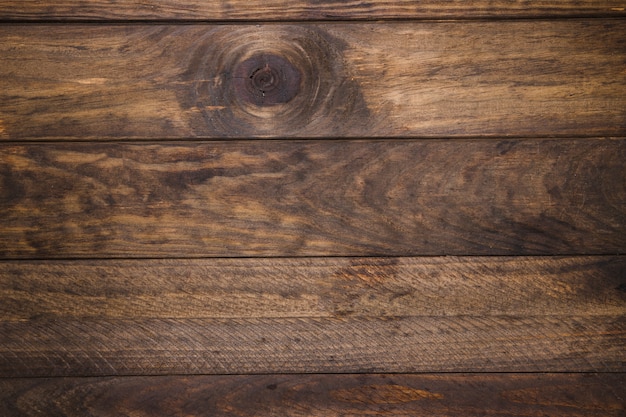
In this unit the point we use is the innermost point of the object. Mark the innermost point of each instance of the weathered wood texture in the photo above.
(273, 10)
(453, 395)
(310, 198)
(521, 78)
(100, 347)
(500, 133)
(313, 287)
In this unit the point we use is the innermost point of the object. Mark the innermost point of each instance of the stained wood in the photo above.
(450, 395)
(313, 287)
(516, 78)
(100, 347)
(310, 198)
(271, 10)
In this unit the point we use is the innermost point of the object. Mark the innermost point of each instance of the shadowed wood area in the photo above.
(525, 78)
(100, 346)
(313, 287)
(269, 198)
(215, 10)
(452, 395)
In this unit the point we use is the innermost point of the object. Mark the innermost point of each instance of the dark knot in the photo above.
(267, 80)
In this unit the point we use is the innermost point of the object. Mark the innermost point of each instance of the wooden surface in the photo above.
(148, 267)
(527, 78)
(85, 347)
(270, 10)
(451, 395)
(268, 198)
(313, 287)
(237, 316)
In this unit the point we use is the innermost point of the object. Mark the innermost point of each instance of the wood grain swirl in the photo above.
(306, 86)
(272, 10)
(309, 198)
(451, 395)
(313, 287)
(527, 78)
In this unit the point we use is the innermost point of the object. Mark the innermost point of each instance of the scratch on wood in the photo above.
(383, 394)
(553, 397)
(89, 81)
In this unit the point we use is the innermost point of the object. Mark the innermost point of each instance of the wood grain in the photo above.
(100, 347)
(272, 10)
(452, 395)
(313, 287)
(524, 78)
(313, 198)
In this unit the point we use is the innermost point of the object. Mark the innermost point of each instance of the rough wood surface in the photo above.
(313, 287)
(272, 10)
(100, 347)
(313, 198)
(517, 78)
(452, 395)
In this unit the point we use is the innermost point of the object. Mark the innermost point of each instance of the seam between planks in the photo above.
(329, 20)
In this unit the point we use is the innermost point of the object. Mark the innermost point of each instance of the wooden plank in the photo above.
(517, 78)
(313, 198)
(313, 287)
(100, 347)
(273, 10)
(452, 395)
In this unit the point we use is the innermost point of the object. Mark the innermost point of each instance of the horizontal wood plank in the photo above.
(100, 347)
(313, 287)
(313, 198)
(273, 10)
(525, 78)
(452, 395)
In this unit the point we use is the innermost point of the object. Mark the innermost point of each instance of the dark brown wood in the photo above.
(271, 10)
(99, 347)
(310, 198)
(313, 287)
(500, 131)
(516, 78)
(452, 395)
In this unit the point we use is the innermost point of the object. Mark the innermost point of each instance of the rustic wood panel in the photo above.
(100, 347)
(272, 10)
(452, 395)
(313, 287)
(521, 78)
(313, 198)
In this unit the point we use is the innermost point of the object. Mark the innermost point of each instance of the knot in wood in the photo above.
(272, 80)
(267, 80)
